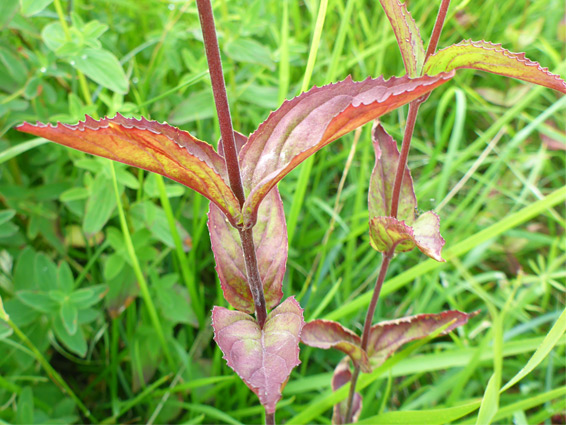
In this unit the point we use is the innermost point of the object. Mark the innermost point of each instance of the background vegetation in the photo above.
(486, 153)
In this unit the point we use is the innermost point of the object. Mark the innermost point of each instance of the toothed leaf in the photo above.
(486, 56)
(408, 35)
(327, 334)
(387, 337)
(304, 125)
(342, 375)
(263, 358)
(156, 147)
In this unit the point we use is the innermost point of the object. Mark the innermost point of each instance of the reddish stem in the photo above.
(220, 98)
(409, 128)
(230, 154)
(269, 418)
(367, 327)
(437, 30)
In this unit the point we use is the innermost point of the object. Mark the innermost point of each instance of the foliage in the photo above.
(62, 204)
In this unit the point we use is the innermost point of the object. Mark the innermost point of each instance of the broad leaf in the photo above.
(386, 337)
(383, 177)
(263, 358)
(327, 334)
(408, 36)
(270, 240)
(155, 147)
(341, 377)
(304, 125)
(486, 56)
(407, 231)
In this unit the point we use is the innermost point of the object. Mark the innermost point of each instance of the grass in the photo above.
(482, 156)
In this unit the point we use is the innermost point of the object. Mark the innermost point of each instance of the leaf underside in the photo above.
(270, 240)
(341, 376)
(328, 334)
(407, 231)
(263, 358)
(387, 337)
(153, 146)
(408, 35)
(305, 124)
(486, 56)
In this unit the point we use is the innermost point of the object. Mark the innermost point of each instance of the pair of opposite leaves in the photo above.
(298, 129)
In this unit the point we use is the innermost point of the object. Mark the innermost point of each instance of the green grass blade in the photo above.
(139, 274)
(551, 339)
(21, 148)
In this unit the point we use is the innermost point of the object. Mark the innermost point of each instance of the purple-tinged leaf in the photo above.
(388, 232)
(342, 375)
(387, 337)
(486, 56)
(270, 240)
(263, 358)
(155, 147)
(408, 36)
(407, 231)
(383, 177)
(304, 125)
(327, 334)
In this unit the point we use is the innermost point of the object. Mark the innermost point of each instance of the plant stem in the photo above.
(231, 156)
(269, 418)
(407, 136)
(220, 98)
(409, 128)
(367, 327)
(437, 30)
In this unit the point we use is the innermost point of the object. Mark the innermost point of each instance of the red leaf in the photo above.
(486, 56)
(270, 239)
(304, 125)
(155, 147)
(383, 177)
(386, 337)
(327, 334)
(263, 358)
(408, 35)
(341, 377)
(407, 231)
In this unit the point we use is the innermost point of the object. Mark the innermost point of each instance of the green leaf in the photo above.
(250, 51)
(8, 9)
(65, 280)
(3, 315)
(100, 205)
(551, 339)
(74, 194)
(45, 273)
(198, 106)
(24, 407)
(39, 301)
(408, 36)
(424, 417)
(86, 297)
(53, 36)
(489, 57)
(113, 265)
(33, 7)
(76, 343)
(20, 148)
(6, 215)
(69, 316)
(102, 67)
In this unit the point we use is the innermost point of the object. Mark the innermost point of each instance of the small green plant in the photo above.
(246, 219)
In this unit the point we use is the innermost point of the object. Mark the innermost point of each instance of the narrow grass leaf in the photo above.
(424, 417)
(489, 57)
(550, 340)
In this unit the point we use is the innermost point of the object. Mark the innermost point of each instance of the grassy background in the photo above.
(484, 157)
